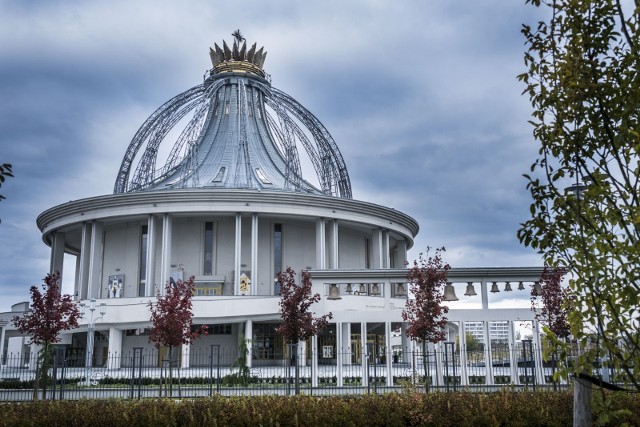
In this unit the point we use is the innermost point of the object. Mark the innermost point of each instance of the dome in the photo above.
(234, 131)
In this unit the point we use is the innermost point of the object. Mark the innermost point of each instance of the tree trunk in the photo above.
(425, 362)
(170, 371)
(297, 367)
(581, 403)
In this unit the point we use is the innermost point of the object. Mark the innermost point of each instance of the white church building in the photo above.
(233, 181)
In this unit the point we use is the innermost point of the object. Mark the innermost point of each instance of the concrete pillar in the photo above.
(56, 261)
(333, 245)
(165, 265)
(537, 353)
(237, 261)
(345, 347)
(321, 244)
(488, 353)
(2, 338)
(339, 357)
(439, 350)
(364, 353)
(464, 371)
(388, 353)
(185, 355)
(115, 348)
(150, 274)
(401, 253)
(253, 290)
(95, 262)
(513, 361)
(377, 248)
(484, 294)
(302, 360)
(85, 260)
(248, 336)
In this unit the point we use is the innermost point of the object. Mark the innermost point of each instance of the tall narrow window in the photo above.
(142, 282)
(277, 253)
(367, 253)
(208, 249)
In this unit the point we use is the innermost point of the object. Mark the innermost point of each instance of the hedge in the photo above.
(405, 409)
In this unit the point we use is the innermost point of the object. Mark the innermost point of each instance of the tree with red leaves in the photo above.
(50, 313)
(297, 322)
(554, 313)
(172, 319)
(425, 313)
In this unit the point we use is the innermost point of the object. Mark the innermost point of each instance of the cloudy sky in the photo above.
(420, 96)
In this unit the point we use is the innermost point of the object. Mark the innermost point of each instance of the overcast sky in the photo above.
(420, 96)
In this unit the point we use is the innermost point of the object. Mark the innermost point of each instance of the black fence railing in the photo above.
(142, 373)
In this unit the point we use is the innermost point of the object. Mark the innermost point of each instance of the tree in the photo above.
(425, 313)
(5, 172)
(172, 320)
(50, 313)
(297, 322)
(584, 85)
(553, 314)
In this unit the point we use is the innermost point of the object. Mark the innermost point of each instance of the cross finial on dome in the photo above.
(238, 35)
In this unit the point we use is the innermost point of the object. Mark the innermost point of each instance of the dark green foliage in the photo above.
(406, 409)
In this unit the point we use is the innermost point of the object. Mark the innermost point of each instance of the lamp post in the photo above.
(91, 325)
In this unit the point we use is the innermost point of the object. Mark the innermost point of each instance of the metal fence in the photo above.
(145, 373)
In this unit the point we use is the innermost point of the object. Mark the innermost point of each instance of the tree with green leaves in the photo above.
(582, 77)
(49, 314)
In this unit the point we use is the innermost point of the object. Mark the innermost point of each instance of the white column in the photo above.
(253, 290)
(248, 336)
(321, 244)
(401, 253)
(405, 344)
(333, 245)
(2, 338)
(364, 353)
(464, 374)
(386, 259)
(237, 255)
(95, 262)
(185, 355)
(85, 260)
(376, 243)
(57, 253)
(537, 353)
(165, 266)
(513, 361)
(488, 354)
(484, 294)
(115, 348)
(150, 274)
(388, 353)
(338, 350)
(345, 347)
(314, 358)
(439, 349)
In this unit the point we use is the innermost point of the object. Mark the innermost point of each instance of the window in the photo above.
(142, 279)
(267, 343)
(207, 262)
(367, 253)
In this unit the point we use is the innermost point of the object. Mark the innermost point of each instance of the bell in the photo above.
(363, 289)
(449, 293)
(334, 292)
(494, 288)
(537, 289)
(470, 290)
(349, 288)
(507, 287)
(375, 289)
(400, 290)
(521, 286)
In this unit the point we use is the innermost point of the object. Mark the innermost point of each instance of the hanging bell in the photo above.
(507, 287)
(521, 286)
(537, 289)
(349, 289)
(494, 288)
(363, 289)
(375, 289)
(400, 290)
(470, 290)
(334, 292)
(449, 293)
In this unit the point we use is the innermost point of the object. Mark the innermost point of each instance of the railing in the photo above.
(145, 373)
